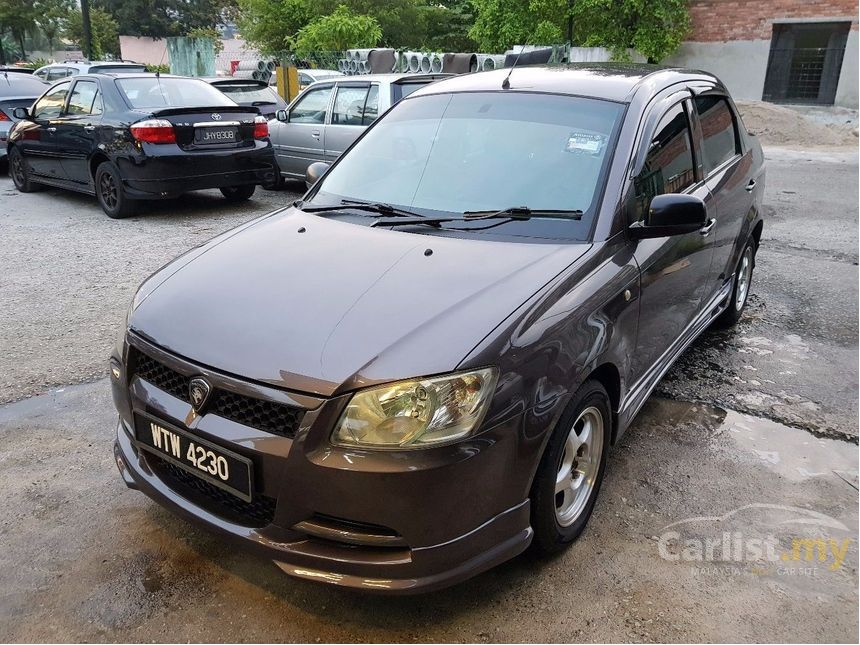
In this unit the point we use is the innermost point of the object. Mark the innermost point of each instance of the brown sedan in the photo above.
(417, 371)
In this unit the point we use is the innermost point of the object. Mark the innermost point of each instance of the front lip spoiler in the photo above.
(262, 542)
(502, 552)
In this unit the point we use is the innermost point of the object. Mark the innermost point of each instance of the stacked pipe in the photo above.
(259, 70)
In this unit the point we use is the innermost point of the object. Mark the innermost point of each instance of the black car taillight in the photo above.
(154, 131)
(261, 127)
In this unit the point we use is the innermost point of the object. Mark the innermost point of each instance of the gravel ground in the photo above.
(68, 272)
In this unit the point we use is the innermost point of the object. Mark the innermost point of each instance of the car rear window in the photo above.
(117, 69)
(14, 84)
(249, 93)
(153, 92)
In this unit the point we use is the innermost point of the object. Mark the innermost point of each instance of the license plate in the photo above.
(206, 136)
(220, 467)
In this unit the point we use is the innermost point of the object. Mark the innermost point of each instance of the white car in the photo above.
(56, 71)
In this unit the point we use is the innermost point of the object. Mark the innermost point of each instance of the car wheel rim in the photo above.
(579, 465)
(744, 274)
(108, 189)
(18, 170)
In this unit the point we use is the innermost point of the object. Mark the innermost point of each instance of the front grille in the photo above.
(254, 514)
(268, 416)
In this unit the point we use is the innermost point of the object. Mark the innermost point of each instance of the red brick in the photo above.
(723, 20)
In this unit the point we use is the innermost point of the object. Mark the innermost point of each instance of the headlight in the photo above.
(417, 413)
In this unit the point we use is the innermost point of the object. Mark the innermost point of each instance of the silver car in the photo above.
(16, 90)
(56, 71)
(329, 115)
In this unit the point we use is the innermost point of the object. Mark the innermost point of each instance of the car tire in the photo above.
(110, 192)
(238, 193)
(571, 470)
(19, 170)
(741, 283)
(276, 184)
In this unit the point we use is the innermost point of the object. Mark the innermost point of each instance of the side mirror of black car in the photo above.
(21, 113)
(314, 172)
(671, 214)
(283, 116)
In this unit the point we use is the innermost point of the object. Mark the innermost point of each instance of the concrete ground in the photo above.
(711, 456)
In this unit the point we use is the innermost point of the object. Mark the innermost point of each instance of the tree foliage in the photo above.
(340, 30)
(104, 37)
(655, 28)
(272, 25)
(50, 15)
(162, 18)
(17, 17)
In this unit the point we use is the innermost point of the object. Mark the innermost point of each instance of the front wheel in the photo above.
(571, 470)
(238, 193)
(740, 288)
(110, 192)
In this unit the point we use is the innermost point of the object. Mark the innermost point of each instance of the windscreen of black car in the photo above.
(249, 93)
(482, 151)
(151, 92)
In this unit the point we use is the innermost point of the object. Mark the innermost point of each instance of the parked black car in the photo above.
(418, 370)
(127, 137)
(251, 93)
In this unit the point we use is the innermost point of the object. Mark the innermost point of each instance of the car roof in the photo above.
(86, 65)
(609, 81)
(21, 85)
(384, 78)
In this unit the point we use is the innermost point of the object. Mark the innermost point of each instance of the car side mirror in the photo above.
(283, 116)
(21, 113)
(314, 172)
(671, 214)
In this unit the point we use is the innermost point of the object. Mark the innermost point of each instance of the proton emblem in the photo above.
(216, 117)
(199, 391)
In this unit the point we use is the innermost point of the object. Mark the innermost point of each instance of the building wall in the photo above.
(731, 39)
(728, 20)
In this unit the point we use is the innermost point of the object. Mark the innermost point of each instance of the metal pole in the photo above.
(87, 34)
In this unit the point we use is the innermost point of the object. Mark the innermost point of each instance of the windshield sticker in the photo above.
(585, 142)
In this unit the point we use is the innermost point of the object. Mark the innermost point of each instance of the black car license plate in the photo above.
(207, 136)
(216, 465)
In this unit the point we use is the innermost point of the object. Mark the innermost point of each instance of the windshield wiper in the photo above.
(522, 212)
(349, 204)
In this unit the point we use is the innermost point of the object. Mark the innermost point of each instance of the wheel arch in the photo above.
(608, 375)
(95, 161)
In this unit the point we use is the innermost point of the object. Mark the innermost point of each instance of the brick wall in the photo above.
(724, 20)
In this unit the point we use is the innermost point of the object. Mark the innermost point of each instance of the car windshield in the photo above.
(483, 151)
(154, 92)
(248, 93)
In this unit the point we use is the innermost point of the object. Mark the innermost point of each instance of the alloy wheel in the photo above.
(17, 168)
(744, 274)
(579, 466)
(108, 190)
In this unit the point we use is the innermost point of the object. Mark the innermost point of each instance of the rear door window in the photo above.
(349, 105)
(312, 107)
(669, 163)
(719, 132)
(82, 98)
(371, 106)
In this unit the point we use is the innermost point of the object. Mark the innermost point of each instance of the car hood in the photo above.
(322, 306)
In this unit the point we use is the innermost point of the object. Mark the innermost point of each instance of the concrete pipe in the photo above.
(435, 63)
(247, 65)
(244, 73)
(425, 64)
(271, 66)
(414, 61)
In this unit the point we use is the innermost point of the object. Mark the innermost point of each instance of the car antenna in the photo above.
(506, 84)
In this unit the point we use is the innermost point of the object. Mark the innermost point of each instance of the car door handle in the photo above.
(89, 128)
(751, 185)
(315, 134)
(707, 228)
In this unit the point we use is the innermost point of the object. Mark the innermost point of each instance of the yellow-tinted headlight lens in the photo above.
(417, 413)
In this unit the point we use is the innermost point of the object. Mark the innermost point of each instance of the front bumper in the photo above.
(381, 522)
